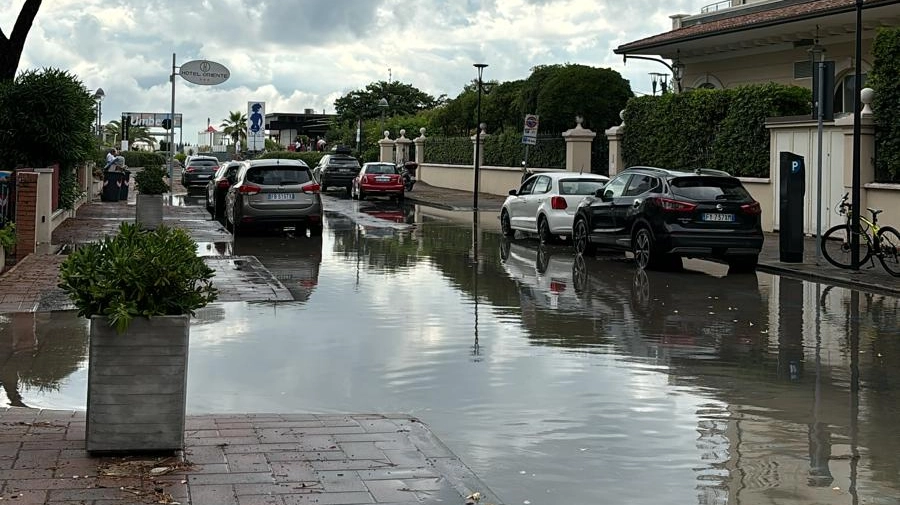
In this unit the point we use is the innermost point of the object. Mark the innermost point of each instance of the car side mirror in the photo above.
(513, 192)
(599, 193)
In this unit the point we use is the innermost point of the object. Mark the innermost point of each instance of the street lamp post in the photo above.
(383, 104)
(98, 97)
(857, 117)
(478, 127)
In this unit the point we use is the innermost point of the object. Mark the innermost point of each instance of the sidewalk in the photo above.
(247, 459)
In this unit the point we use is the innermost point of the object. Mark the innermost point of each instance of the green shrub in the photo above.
(449, 150)
(722, 129)
(8, 236)
(69, 190)
(150, 181)
(505, 149)
(311, 158)
(883, 79)
(143, 158)
(138, 273)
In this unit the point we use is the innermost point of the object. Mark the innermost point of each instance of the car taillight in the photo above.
(557, 286)
(751, 208)
(223, 184)
(670, 205)
(248, 189)
(365, 178)
(189, 169)
(312, 188)
(558, 203)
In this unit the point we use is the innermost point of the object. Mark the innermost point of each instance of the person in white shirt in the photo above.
(110, 158)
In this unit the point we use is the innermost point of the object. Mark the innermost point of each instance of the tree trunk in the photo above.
(11, 48)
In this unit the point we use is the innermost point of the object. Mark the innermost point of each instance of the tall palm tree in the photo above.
(135, 133)
(235, 127)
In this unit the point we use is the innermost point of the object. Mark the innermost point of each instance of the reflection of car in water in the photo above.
(292, 260)
(397, 213)
(685, 310)
(546, 277)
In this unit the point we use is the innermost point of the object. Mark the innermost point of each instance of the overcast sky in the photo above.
(298, 54)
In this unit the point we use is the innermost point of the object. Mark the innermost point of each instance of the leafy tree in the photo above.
(46, 117)
(883, 79)
(402, 98)
(11, 47)
(235, 127)
(135, 133)
(566, 91)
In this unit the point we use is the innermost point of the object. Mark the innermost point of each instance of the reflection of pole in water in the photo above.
(790, 329)
(819, 435)
(475, 260)
(854, 393)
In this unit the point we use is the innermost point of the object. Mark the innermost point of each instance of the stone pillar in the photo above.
(43, 229)
(26, 212)
(402, 154)
(578, 147)
(386, 148)
(481, 140)
(420, 146)
(615, 136)
(866, 153)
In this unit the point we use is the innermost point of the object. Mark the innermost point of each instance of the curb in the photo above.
(811, 276)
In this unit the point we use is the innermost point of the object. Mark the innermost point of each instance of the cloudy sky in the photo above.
(298, 54)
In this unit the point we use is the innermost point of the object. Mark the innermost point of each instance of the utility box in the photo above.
(792, 190)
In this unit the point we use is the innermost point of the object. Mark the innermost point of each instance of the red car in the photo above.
(378, 178)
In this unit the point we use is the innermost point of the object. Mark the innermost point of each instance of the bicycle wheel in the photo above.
(890, 250)
(836, 247)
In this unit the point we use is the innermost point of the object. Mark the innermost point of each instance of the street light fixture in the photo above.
(479, 126)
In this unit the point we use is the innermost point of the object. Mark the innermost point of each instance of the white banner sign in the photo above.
(256, 126)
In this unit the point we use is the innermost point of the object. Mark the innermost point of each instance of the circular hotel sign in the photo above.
(204, 72)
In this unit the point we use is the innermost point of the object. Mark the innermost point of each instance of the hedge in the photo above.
(883, 79)
(311, 158)
(722, 129)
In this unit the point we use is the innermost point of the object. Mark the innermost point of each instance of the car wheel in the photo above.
(643, 247)
(742, 264)
(401, 197)
(210, 208)
(505, 246)
(324, 188)
(360, 194)
(505, 226)
(544, 231)
(581, 238)
(350, 190)
(315, 230)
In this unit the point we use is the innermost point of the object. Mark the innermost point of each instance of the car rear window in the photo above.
(381, 169)
(709, 188)
(579, 186)
(276, 176)
(203, 163)
(341, 161)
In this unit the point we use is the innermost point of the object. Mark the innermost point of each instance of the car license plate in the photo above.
(719, 218)
(203, 177)
(343, 170)
(383, 179)
(281, 196)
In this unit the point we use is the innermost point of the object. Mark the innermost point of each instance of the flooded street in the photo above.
(558, 380)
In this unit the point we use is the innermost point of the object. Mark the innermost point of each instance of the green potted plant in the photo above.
(139, 289)
(149, 202)
(7, 242)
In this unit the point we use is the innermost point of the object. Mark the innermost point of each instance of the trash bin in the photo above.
(126, 179)
(112, 186)
(792, 190)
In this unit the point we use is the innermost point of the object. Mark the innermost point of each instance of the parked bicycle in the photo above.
(882, 242)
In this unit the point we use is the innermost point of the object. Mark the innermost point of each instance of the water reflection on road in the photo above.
(558, 379)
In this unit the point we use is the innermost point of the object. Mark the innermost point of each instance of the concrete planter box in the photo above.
(149, 211)
(137, 383)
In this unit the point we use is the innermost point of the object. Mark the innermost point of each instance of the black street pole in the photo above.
(480, 67)
(857, 118)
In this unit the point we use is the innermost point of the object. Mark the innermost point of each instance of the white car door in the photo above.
(517, 204)
(539, 194)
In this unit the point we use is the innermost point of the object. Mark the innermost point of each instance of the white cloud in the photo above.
(302, 54)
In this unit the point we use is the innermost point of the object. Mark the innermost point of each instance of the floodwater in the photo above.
(558, 380)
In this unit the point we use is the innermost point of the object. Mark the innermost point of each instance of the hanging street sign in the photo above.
(204, 72)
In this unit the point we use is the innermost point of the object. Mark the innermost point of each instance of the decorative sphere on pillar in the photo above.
(866, 96)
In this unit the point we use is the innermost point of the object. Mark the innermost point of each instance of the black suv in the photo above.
(198, 171)
(663, 215)
(336, 169)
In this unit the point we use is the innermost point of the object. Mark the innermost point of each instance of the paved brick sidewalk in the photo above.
(247, 459)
